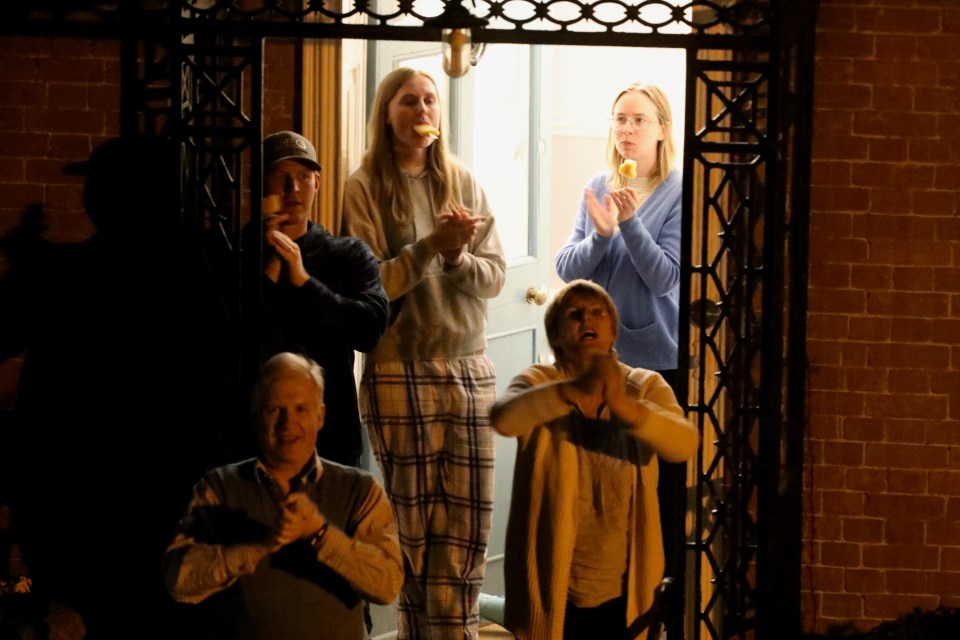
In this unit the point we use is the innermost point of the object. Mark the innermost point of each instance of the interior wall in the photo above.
(570, 174)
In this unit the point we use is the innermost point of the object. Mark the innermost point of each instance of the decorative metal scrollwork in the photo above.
(740, 17)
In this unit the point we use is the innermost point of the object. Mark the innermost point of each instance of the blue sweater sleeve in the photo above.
(655, 256)
(582, 253)
(656, 259)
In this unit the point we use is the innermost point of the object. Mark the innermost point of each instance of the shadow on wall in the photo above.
(940, 624)
(107, 424)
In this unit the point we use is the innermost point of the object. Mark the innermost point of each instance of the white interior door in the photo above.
(499, 127)
(508, 128)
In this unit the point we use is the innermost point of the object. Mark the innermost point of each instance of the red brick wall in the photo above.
(58, 99)
(882, 521)
(61, 97)
(278, 90)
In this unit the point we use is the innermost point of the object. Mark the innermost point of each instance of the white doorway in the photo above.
(530, 122)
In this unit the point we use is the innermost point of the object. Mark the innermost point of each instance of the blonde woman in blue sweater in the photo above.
(626, 235)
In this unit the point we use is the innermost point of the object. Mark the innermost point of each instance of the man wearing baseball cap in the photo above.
(321, 295)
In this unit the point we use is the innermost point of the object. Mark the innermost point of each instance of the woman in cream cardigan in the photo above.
(584, 546)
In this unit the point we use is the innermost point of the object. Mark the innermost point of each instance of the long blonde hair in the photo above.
(666, 149)
(389, 184)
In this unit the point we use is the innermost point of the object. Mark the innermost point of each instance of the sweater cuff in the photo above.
(462, 268)
(635, 230)
(554, 406)
(629, 224)
(599, 240)
(335, 544)
(242, 559)
(422, 254)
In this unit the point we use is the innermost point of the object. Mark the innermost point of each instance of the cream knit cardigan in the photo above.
(543, 512)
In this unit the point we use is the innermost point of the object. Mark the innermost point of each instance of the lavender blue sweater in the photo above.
(639, 267)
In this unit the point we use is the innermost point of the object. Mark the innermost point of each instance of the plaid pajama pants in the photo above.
(429, 426)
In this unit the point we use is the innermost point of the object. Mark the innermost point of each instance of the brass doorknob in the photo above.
(536, 296)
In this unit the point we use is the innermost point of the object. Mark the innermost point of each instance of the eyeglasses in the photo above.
(619, 123)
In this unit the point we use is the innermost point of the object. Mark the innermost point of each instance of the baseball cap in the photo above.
(287, 145)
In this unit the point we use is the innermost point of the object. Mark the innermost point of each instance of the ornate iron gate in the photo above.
(192, 70)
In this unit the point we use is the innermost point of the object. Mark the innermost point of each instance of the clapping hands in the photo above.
(282, 250)
(601, 384)
(297, 518)
(454, 230)
(285, 252)
(618, 205)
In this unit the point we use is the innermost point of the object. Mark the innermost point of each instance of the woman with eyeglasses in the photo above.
(584, 550)
(626, 236)
(427, 388)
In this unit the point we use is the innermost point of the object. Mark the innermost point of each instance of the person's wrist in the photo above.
(565, 391)
(431, 243)
(299, 278)
(453, 264)
(316, 540)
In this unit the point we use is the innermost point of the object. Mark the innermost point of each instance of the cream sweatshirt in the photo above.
(443, 310)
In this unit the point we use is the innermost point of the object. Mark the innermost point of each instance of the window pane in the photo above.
(501, 141)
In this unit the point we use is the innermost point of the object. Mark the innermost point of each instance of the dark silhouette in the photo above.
(942, 623)
(104, 408)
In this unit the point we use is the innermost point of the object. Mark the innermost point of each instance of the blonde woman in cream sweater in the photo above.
(428, 387)
(584, 549)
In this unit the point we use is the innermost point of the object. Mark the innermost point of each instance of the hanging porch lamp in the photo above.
(456, 25)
